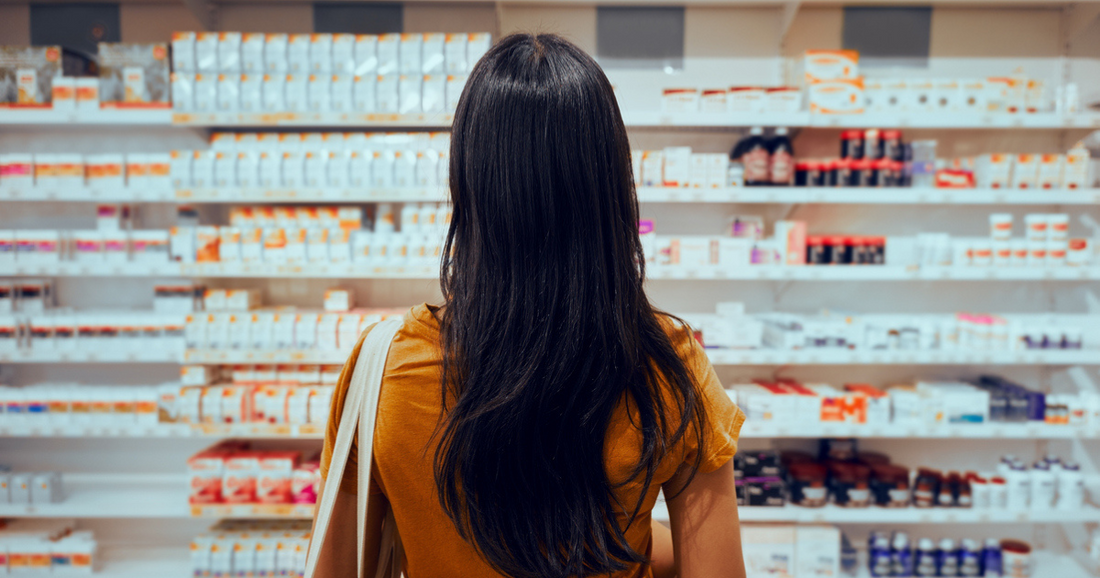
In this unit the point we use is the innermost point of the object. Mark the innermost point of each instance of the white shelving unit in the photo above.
(731, 195)
(755, 272)
(160, 496)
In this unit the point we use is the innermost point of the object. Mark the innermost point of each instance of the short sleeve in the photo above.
(724, 418)
(350, 482)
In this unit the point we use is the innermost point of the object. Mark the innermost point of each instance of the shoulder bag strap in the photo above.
(379, 338)
(367, 377)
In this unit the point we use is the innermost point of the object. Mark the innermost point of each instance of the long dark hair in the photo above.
(546, 328)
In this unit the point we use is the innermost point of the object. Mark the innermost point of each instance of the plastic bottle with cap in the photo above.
(947, 559)
(1042, 486)
(925, 559)
(1071, 487)
(781, 163)
(991, 558)
(970, 556)
(753, 152)
(901, 556)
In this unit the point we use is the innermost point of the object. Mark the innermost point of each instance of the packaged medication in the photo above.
(276, 59)
(454, 53)
(366, 55)
(183, 51)
(320, 53)
(387, 53)
(298, 54)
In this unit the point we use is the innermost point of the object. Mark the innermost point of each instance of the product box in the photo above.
(676, 100)
(783, 99)
(677, 166)
(1076, 168)
(134, 75)
(836, 96)
(241, 471)
(1050, 171)
(206, 470)
(769, 550)
(791, 236)
(1025, 171)
(27, 74)
(821, 65)
(653, 163)
(746, 99)
(276, 471)
(817, 551)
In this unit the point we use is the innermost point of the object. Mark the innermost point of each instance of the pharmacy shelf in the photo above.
(659, 119)
(993, 430)
(438, 121)
(142, 496)
(224, 270)
(727, 357)
(875, 515)
(103, 116)
(872, 357)
(877, 196)
(751, 430)
(741, 195)
(166, 430)
(102, 355)
(656, 273)
(875, 273)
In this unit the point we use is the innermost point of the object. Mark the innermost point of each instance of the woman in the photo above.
(526, 427)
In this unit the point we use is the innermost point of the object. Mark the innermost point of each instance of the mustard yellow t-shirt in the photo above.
(409, 410)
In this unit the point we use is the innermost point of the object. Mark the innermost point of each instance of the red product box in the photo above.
(276, 474)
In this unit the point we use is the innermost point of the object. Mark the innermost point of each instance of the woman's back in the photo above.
(527, 425)
(410, 409)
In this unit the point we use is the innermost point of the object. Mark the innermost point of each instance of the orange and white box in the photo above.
(236, 404)
(206, 470)
(241, 471)
(836, 97)
(64, 93)
(1025, 172)
(878, 403)
(783, 99)
(674, 100)
(276, 471)
(207, 241)
(995, 170)
(1050, 171)
(59, 170)
(1075, 174)
(320, 402)
(105, 172)
(746, 99)
(274, 245)
(229, 244)
(830, 65)
(296, 238)
(713, 101)
(269, 404)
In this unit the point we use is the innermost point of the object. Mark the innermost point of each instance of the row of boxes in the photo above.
(94, 332)
(382, 169)
(40, 546)
(232, 473)
(294, 246)
(257, 52)
(323, 93)
(680, 167)
(280, 329)
(1028, 171)
(91, 246)
(102, 172)
(252, 548)
(277, 404)
(29, 487)
(738, 99)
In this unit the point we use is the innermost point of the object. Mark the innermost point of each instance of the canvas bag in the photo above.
(360, 413)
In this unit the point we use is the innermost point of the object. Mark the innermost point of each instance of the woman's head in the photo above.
(547, 327)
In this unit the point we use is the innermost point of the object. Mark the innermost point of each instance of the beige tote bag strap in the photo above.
(367, 377)
(378, 339)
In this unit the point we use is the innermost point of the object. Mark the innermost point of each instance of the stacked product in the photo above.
(232, 473)
(791, 551)
(115, 240)
(894, 554)
(81, 405)
(679, 167)
(29, 321)
(232, 321)
(141, 174)
(276, 395)
(251, 548)
(834, 86)
(736, 99)
(868, 158)
(36, 547)
(254, 72)
(744, 246)
(759, 161)
(315, 160)
(325, 235)
(1046, 244)
(987, 400)
(29, 487)
(732, 328)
